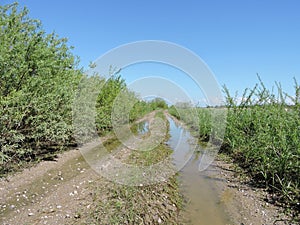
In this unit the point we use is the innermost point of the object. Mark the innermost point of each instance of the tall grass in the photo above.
(262, 136)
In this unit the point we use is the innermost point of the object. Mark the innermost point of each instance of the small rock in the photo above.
(30, 214)
(159, 220)
(51, 210)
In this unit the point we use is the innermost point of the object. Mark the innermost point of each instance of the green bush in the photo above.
(140, 109)
(173, 111)
(39, 82)
(263, 135)
(38, 79)
(104, 105)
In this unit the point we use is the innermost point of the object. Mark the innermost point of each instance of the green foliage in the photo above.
(205, 123)
(173, 111)
(158, 103)
(39, 81)
(114, 96)
(139, 109)
(263, 136)
(105, 101)
(38, 78)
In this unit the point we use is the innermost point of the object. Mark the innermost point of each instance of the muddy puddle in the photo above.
(201, 189)
(140, 128)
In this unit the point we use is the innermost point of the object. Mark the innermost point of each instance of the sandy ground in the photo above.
(244, 203)
(52, 192)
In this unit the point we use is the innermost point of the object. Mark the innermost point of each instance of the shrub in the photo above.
(38, 78)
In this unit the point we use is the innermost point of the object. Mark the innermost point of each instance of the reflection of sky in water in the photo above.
(143, 127)
(180, 142)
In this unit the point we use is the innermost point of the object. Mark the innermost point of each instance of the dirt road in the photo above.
(53, 192)
(62, 192)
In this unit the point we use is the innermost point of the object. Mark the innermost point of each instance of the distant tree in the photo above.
(158, 103)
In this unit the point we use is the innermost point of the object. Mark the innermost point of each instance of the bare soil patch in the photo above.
(244, 203)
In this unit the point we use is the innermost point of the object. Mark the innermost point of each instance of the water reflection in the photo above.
(199, 187)
(180, 141)
(140, 128)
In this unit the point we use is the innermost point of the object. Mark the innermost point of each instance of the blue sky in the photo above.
(236, 39)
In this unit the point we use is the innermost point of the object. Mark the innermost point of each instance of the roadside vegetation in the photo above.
(262, 136)
(39, 81)
(39, 76)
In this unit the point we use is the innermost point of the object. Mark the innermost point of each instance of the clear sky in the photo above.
(236, 39)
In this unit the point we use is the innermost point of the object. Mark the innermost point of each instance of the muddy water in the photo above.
(140, 128)
(199, 188)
